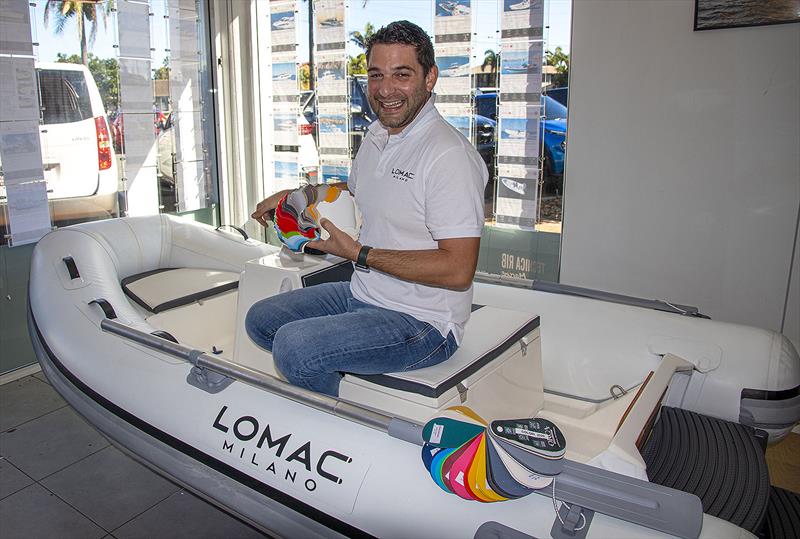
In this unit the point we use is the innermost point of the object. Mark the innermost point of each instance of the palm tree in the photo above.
(491, 59)
(83, 11)
(362, 40)
(560, 60)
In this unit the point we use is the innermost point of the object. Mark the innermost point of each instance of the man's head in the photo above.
(401, 73)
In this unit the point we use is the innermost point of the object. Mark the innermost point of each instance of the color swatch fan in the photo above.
(298, 215)
(467, 457)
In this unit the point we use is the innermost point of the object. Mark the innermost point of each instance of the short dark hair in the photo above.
(406, 33)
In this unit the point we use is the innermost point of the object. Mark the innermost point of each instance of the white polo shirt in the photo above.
(414, 188)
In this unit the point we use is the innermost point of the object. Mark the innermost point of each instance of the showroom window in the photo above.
(108, 115)
(503, 82)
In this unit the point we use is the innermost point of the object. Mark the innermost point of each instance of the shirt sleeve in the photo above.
(454, 194)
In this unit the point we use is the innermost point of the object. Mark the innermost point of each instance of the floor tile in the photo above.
(26, 399)
(11, 479)
(183, 515)
(110, 487)
(35, 512)
(40, 375)
(49, 443)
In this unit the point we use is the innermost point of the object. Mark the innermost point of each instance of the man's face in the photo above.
(397, 85)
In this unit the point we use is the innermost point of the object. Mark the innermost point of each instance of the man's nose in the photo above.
(384, 88)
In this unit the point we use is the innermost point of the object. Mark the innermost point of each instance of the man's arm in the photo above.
(265, 209)
(452, 265)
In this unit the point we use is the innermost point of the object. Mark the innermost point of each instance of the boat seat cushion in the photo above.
(163, 289)
(489, 333)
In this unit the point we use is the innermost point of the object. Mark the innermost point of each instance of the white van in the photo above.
(78, 159)
(80, 165)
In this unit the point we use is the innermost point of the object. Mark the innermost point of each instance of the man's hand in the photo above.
(339, 243)
(265, 210)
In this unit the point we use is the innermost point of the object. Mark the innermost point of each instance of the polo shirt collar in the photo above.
(380, 135)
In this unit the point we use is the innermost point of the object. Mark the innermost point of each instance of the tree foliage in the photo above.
(304, 77)
(357, 65)
(106, 75)
(162, 73)
(560, 60)
(85, 13)
(361, 39)
(491, 59)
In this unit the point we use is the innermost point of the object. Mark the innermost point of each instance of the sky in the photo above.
(486, 17)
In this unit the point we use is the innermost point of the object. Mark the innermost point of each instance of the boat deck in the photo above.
(61, 478)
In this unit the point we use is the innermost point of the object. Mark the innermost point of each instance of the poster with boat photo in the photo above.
(522, 19)
(284, 78)
(282, 25)
(714, 14)
(518, 130)
(331, 69)
(521, 71)
(284, 124)
(330, 28)
(335, 171)
(454, 75)
(452, 21)
(333, 133)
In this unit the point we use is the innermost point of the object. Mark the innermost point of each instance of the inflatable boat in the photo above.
(138, 323)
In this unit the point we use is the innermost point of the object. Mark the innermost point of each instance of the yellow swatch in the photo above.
(469, 412)
(477, 476)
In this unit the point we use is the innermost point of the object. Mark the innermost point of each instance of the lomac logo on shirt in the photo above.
(402, 175)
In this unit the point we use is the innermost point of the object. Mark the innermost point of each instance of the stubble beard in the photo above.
(414, 104)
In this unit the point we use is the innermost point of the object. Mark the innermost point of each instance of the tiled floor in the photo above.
(60, 478)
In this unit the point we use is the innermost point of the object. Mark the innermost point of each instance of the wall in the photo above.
(682, 173)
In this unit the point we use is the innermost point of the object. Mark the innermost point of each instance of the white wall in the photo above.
(683, 166)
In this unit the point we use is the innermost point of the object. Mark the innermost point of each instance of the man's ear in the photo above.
(431, 78)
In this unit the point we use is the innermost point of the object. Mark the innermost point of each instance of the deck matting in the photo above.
(719, 461)
(783, 515)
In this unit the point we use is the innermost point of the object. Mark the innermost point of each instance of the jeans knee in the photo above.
(283, 353)
(258, 327)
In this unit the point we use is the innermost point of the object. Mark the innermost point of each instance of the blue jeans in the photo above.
(318, 333)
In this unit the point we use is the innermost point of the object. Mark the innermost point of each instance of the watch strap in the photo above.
(361, 261)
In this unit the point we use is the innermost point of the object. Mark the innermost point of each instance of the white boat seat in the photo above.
(163, 289)
(492, 359)
(477, 350)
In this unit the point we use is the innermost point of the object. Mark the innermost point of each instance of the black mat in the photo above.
(783, 515)
(721, 462)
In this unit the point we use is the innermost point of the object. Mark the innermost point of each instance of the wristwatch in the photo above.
(361, 261)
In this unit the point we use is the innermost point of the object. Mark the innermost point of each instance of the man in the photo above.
(419, 185)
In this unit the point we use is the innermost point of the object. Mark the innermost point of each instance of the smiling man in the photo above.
(419, 185)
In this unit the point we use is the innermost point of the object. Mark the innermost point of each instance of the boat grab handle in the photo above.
(237, 229)
(108, 310)
(633, 500)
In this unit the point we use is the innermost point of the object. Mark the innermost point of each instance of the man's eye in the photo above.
(375, 75)
(403, 75)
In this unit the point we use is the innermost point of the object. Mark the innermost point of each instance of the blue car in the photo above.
(552, 130)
